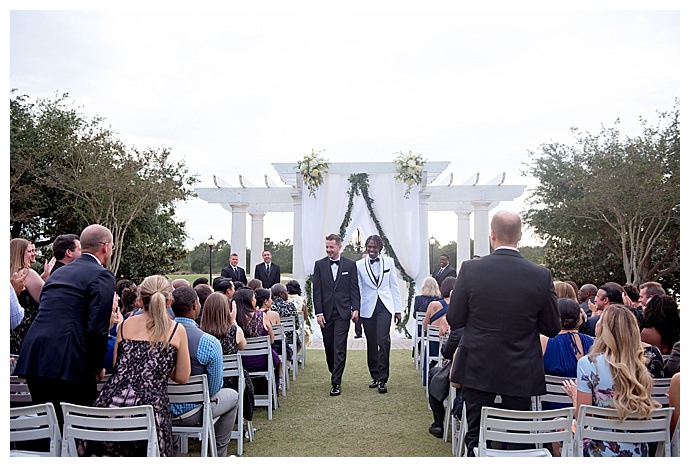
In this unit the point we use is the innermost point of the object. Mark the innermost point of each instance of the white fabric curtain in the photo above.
(399, 218)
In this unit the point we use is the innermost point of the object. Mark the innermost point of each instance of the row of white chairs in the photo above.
(544, 426)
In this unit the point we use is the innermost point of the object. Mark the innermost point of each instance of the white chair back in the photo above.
(418, 342)
(603, 424)
(35, 422)
(262, 346)
(432, 335)
(290, 327)
(112, 424)
(525, 427)
(19, 392)
(232, 366)
(660, 388)
(554, 392)
(195, 391)
(279, 335)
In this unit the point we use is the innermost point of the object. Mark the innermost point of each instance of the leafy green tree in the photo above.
(609, 206)
(68, 172)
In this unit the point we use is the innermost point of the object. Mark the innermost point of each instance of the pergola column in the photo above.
(257, 239)
(238, 232)
(298, 272)
(463, 251)
(481, 227)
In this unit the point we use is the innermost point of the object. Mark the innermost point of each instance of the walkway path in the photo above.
(361, 344)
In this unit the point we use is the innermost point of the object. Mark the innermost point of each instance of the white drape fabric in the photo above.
(398, 216)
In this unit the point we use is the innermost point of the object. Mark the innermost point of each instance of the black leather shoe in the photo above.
(335, 390)
(373, 384)
(436, 431)
(382, 387)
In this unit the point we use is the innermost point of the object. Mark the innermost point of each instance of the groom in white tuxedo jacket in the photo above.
(380, 300)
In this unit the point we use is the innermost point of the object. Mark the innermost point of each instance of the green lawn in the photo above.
(359, 423)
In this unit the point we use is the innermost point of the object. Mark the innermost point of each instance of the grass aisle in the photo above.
(360, 422)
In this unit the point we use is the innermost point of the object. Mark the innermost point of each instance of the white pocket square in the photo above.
(344, 273)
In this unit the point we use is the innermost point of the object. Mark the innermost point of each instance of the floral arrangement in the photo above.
(409, 168)
(313, 168)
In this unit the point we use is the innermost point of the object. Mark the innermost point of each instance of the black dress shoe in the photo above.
(373, 384)
(436, 431)
(382, 387)
(335, 390)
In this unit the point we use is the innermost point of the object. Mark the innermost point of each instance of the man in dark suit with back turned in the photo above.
(233, 272)
(267, 272)
(336, 302)
(63, 353)
(500, 351)
(444, 269)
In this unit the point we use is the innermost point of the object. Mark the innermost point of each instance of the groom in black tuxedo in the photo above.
(336, 302)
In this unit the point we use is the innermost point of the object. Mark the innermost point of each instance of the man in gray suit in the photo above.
(336, 302)
(500, 352)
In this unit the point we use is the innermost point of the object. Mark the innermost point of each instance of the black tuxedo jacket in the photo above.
(340, 296)
(267, 280)
(503, 301)
(69, 337)
(229, 272)
(448, 272)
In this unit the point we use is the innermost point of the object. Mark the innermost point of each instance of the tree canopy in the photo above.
(608, 206)
(68, 171)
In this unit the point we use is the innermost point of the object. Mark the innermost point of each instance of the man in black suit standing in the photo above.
(336, 302)
(267, 272)
(444, 269)
(233, 272)
(500, 352)
(63, 353)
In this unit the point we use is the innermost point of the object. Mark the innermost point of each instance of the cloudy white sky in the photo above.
(232, 91)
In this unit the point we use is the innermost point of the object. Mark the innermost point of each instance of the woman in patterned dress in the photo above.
(150, 348)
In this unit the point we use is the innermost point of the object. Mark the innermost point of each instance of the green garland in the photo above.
(359, 184)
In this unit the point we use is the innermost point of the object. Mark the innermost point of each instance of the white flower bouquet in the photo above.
(409, 168)
(313, 167)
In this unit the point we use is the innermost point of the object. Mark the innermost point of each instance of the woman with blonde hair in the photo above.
(150, 349)
(22, 255)
(614, 374)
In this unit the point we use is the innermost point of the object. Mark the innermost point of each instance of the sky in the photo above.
(232, 91)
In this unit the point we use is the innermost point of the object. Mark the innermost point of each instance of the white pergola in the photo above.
(466, 199)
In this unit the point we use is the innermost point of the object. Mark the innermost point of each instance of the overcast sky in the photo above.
(233, 91)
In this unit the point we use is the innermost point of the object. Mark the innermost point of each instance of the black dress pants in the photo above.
(335, 345)
(378, 332)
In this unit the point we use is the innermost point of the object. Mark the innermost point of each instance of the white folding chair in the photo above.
(432, 335)
(418, 342)
(459, 434)
(525, 427)
(262, 346)
(452, 393)
(279, 335)
(19, 392)
(603, 424)
(232, 366)
(195, 391)
(302, 357)
(554, 392)
(35, 422)
(289, 327)
(112, 424)
(660, 387)
(101, 383)
(675, 441)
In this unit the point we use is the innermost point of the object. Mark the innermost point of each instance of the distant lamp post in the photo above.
(211, 243)
(432, 242)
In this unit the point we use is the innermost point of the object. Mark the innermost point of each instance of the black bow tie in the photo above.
(372, 261)
(336, 262)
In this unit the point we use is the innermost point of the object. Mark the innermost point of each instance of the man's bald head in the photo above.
(506, 229)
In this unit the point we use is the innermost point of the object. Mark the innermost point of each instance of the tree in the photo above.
(68, 172)
(611, 195)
